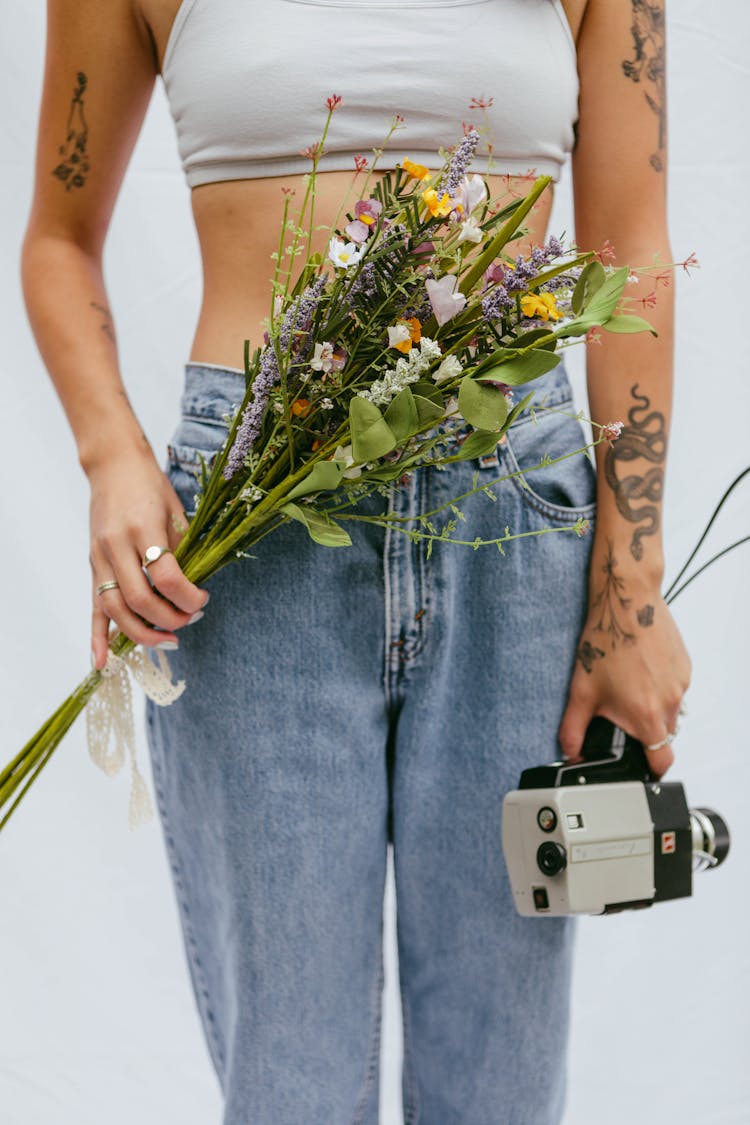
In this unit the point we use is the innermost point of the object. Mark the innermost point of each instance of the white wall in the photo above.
(96, 1017)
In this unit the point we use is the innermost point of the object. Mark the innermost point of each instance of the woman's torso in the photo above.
(238, 220)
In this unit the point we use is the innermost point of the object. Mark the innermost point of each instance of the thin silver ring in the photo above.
(111, 585)
(667, 741)
(154, 553)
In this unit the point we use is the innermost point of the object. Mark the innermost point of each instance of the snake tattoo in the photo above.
(643, 438)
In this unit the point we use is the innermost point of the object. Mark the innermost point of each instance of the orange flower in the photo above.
(301, 407)
(405, 333)
(316, 444)
(416, 171)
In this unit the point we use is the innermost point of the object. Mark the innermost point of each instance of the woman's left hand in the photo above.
(632, 667)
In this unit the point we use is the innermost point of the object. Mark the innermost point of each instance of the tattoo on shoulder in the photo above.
(648, 65)
(74, 157)
(644, 438)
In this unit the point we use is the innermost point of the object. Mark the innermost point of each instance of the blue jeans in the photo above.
(339, 698)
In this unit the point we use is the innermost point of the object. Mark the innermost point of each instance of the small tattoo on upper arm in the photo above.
(645, 616)
(107, 326)
(645, 437)
(74, 157)
(648, 63)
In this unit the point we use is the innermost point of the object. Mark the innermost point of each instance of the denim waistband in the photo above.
(213, 392)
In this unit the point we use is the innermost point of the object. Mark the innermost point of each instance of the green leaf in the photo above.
(522, 368)
(323, 476)
(428, 412)
(628, 323)
(482, 406)
(372, 437)
(477, 444)
(603, 303)
(321, 527)
(591, 278)
(526, 339)
(518, 408)
(401, 414)
(428, 390)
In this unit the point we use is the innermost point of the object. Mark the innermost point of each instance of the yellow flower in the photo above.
(439, 207)
(417, 171)
(404, 334)
(543, 305)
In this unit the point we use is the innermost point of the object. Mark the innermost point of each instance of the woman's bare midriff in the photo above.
(238, 224)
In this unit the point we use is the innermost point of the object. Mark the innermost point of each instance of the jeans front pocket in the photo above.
(561, 491)
(193, 440)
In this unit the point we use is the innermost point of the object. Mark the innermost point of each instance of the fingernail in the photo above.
(93, 660)
(207, 597)
(167, 646)
(196, 616)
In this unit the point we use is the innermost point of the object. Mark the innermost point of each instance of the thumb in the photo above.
(576, 718)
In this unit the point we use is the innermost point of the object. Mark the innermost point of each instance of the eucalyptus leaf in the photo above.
(603, 303)
(521, 369)
(372, 437)
(477, 444)
(401, 414)
(320, 527)
(428, 412)
(526, 339)
(591, 278)
(628, 323)
(484, 407)
(324, 476)
(428, 390)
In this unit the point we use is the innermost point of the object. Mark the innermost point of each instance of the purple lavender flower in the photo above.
(460, 161)
(496, 303)
(294, 336)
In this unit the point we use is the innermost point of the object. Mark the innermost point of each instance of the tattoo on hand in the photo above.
(643, 438)
(612, 603)
(74, 162)
(645, 616)
(648, 63)
(587, 654)
(107, 326)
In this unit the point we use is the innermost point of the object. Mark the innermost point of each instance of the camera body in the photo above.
(602, 835)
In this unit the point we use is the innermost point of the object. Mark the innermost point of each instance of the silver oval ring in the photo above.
(154, 553)
(667, 741)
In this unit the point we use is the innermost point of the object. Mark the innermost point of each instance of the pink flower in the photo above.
(471, 192)
(612, 430)
(495, 275)
(357, 231)
(333, 102)
(445, 301)
(360, 162)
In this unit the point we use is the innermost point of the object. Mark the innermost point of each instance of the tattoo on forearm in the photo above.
(612, 603)
(107, 326)
(643, 438)
(74, 162)
(648, 65)
(645, 616)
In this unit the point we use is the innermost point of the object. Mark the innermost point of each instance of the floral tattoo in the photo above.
(643, 438)
(74, 157)
(648, 65)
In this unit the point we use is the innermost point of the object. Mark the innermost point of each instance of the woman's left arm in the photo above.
(631, 664)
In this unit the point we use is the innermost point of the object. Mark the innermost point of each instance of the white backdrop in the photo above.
(97, 1022)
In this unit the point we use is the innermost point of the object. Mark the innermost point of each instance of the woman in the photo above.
(339, 699)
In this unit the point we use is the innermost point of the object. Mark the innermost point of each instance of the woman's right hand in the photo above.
(134, 506)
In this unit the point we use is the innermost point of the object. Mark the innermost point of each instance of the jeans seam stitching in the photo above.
(411, 1108)
(543, 507)
(202, 998)
(373, 1056)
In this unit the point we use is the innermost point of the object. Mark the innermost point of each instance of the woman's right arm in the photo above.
(99, 75)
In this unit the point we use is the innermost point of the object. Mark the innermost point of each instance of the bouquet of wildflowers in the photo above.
(417, 323)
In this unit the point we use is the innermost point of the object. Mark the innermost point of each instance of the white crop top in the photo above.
(247, 82)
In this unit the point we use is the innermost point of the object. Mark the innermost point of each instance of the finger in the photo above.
(99, 634)
(168, 578)
(177, 525)
(139, 631)
(574, 724)
(136, 591)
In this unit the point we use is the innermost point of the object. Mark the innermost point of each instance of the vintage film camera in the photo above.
(602, 835)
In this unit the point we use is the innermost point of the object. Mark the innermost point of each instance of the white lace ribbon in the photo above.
(110, 730)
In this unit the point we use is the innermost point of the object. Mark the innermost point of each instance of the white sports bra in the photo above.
(247, 82)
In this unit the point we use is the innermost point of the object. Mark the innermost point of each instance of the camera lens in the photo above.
(710, 835)
(551, 857)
